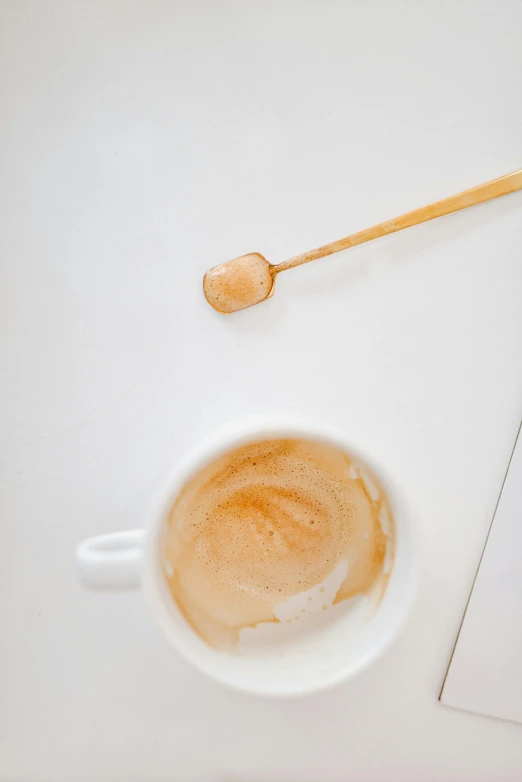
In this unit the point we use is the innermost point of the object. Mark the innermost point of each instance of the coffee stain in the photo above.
(268, 521)
(238, 284)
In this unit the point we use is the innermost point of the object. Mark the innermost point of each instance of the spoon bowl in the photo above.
(239, 283)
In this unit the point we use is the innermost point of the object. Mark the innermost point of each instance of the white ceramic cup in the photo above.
(313, 655)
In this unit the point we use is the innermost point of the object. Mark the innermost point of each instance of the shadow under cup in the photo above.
(324, 647)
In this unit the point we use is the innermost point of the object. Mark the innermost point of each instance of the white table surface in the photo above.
(143, 142)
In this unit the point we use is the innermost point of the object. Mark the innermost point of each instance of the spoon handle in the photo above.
(476, 195)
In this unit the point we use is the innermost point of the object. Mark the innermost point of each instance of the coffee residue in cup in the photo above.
(268, 521)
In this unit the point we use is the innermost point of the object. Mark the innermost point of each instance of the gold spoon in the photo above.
(249, 279)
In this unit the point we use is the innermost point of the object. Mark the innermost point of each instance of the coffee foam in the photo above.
(266, 522)
(240, 283)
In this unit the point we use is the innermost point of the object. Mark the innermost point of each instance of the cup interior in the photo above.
(323, 643)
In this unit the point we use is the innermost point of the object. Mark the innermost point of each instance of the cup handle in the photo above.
(111, 561)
